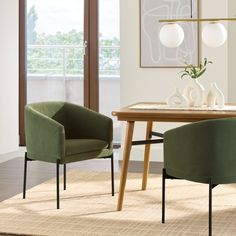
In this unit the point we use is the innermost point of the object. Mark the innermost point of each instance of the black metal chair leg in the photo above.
(163, 194)
(210, 207)
(112, 176)
(25, 175)
(57, 174)
(64, 176)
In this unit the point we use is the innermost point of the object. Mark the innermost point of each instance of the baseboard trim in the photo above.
(12, 155)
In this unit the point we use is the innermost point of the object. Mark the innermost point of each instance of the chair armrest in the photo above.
(85, 123)
(202, 150)
(45, 138)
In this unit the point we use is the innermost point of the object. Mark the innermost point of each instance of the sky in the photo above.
(65, 15)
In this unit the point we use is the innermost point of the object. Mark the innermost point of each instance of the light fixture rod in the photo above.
(197, 20)
(191, 9)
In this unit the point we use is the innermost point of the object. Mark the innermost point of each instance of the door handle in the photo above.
(85, 47)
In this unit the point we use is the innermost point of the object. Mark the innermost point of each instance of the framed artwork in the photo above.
(152, 52)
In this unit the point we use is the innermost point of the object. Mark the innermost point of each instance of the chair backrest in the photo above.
(78, 121)
(54, 110)
(201, 151)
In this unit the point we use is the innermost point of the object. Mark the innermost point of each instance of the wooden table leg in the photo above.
(126, 156)
(146, 156)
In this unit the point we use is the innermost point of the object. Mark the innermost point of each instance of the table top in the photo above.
(128, 114)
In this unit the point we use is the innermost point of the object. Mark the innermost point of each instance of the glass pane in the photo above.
(55, 50)
(109, 60)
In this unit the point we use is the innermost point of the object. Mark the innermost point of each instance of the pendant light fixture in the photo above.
(171, 35)
(214, 33)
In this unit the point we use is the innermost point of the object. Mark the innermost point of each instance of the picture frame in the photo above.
(155, 55)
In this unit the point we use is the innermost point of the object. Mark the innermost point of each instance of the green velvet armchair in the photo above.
(203, 152)
(61, 133)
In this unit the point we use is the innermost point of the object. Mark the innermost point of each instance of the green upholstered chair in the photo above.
(203, 152)
(61, 133)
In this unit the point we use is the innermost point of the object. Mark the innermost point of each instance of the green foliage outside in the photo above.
(62, 53)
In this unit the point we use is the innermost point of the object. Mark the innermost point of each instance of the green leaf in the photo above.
(200, 66)
(182, 76)
(201, 72)
(195, 71)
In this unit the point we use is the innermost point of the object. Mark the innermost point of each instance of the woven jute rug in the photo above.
(87, 208)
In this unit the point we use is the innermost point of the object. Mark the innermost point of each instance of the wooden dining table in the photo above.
(130, 115)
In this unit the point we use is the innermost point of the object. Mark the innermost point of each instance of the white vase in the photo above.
(194, 92)
(215, 97)
(177, 100)
(211, 97)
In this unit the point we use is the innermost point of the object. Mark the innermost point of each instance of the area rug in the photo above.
(87, 208)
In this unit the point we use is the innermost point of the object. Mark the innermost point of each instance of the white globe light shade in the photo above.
(171, 35)
(214, 34)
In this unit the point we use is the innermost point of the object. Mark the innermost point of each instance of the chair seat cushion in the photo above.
(77, 146)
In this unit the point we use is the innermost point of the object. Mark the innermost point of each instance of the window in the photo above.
(64, 57)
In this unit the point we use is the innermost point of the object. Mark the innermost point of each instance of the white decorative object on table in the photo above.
(210, 97)
(194, 92)
(177, 100)
(215, 97)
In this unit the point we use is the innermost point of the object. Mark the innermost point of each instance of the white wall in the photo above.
(9, 75)
(139, 84)
(232, 52)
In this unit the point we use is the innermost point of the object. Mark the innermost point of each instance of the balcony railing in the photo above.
(64, 60)
(55, 72)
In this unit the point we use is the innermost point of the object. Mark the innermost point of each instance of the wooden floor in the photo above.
(11, 172)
